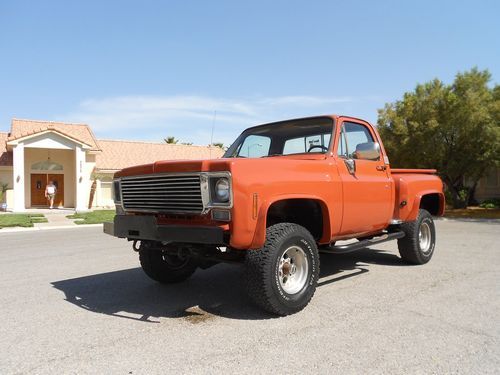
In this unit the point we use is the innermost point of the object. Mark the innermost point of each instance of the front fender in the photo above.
(260, 230)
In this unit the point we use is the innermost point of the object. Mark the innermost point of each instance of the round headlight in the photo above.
(222, 190)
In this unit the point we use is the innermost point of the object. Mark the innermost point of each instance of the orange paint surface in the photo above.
(353, 205)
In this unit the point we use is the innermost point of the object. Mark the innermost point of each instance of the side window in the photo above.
(351, 136)
(342, 148)
(255, 146)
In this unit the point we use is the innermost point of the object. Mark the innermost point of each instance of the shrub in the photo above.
(491, 203)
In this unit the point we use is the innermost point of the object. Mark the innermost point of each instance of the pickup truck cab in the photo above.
(282, 193)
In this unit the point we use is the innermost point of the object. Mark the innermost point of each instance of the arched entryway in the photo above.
(41, 174)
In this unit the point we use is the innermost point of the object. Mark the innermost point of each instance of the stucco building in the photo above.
(82, 167)
(489, 186)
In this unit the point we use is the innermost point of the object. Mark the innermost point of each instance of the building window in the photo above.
(47, 165)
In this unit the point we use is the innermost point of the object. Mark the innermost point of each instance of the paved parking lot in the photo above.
(75, 301)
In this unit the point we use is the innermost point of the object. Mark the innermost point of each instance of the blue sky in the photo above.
(149, 69)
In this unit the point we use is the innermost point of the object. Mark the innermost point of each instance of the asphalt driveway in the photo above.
(75, 301)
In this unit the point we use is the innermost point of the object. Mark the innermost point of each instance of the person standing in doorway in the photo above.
(50, 193)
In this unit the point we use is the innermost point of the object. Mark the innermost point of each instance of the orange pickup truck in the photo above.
(282, 193)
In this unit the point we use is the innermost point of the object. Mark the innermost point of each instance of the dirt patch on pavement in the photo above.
(195, 315)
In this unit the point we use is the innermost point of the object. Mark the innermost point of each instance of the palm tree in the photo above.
(171, 140)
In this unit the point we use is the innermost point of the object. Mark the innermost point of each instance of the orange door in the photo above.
(58, 180)
(367, 189)
(38, 184)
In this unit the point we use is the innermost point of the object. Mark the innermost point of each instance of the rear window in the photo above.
(311, 143)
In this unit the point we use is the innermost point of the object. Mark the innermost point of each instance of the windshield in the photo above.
(284, 138)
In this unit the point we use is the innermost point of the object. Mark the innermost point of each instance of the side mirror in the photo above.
(367, 151)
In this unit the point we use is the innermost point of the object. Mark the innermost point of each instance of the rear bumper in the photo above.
(143, 227)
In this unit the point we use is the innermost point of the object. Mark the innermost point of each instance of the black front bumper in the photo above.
(145, 227)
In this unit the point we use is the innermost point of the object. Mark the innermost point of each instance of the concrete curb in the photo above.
(468, 219)
(21, 229)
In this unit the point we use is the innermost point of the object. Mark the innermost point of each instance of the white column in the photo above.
(19, 204)
(98, 201)
(81, 194)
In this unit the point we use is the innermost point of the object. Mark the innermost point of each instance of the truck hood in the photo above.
(211, 165)
(176, 166)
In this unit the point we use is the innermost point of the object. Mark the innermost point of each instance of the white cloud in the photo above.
(190, 118)
(305, 101)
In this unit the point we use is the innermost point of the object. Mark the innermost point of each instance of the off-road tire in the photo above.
(262, 267)
(165, 269)
(410, 246)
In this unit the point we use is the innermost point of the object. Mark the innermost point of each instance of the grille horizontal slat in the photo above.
(162, 193)
(162, 178)
(161, 190)
(172, 186)
(162, 197)
(145, 200)
(164, 207)
(158, 202)
(165, 183)
(185, 210)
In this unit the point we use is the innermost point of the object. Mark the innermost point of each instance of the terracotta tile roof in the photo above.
(5, 156)
(114, 155)
(117, 155)
(81, 132)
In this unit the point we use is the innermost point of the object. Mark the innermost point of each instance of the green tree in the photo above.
(171, 140)
(3, 189)
(452, 128)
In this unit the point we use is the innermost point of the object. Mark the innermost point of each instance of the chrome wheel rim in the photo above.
(425, 237)
(293, 269)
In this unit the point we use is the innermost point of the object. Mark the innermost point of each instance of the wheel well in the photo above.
(431, 203)
(304, 212)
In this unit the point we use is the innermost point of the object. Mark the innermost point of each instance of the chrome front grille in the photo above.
(172, 193)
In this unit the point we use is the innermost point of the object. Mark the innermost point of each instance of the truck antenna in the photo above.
(212, 135)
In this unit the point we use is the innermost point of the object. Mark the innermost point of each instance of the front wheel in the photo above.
(417, 246)
(164, 266)
(281, 277)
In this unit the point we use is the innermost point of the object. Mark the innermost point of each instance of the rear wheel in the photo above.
(417, 246)
(164, 264)
(281, 277)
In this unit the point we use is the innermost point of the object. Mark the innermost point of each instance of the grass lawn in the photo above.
(93, 217)
(21, 220)
(473, 213)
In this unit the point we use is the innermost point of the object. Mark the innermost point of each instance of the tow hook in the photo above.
(136, 245)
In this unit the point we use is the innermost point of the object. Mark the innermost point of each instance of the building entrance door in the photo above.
(39, 182)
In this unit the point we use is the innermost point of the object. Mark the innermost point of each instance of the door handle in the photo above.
(381, 167)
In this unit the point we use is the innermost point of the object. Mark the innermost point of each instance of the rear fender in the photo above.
(415, 206)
